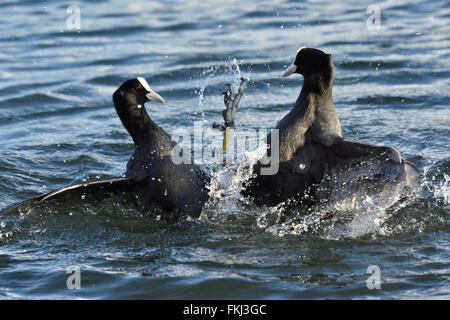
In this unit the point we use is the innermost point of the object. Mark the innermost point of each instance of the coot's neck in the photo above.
(145, 133)
(316, 88)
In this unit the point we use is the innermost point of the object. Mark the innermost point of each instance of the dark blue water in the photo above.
(58, 126)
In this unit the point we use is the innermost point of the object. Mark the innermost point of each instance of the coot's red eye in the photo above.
(138, 88)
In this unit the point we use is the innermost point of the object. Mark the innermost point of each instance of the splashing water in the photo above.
(226, 185)
(202, 83)
(441, 190)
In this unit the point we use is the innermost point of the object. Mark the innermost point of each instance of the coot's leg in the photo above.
(231, 100)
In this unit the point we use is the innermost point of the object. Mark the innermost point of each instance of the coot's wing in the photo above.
(98, 190)
(384, 161)
(345, 149)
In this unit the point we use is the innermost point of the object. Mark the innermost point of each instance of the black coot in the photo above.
(151, 177)
(311, 143)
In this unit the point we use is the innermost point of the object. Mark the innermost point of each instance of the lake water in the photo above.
(58, 126)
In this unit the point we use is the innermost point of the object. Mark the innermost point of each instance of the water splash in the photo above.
(226, 186)
(207, 74)
(217, 74)
(439, 188)
(443, 189)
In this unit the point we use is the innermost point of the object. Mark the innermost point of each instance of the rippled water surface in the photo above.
(58, 126)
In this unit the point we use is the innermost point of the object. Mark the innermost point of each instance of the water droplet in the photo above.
(302, 166)
(83, 197)
(139, 106)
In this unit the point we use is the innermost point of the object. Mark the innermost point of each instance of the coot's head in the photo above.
(309, 61)
(136, 92)
(129, 101)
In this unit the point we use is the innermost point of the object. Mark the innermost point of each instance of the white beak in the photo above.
(154, 97)
(290, 70)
